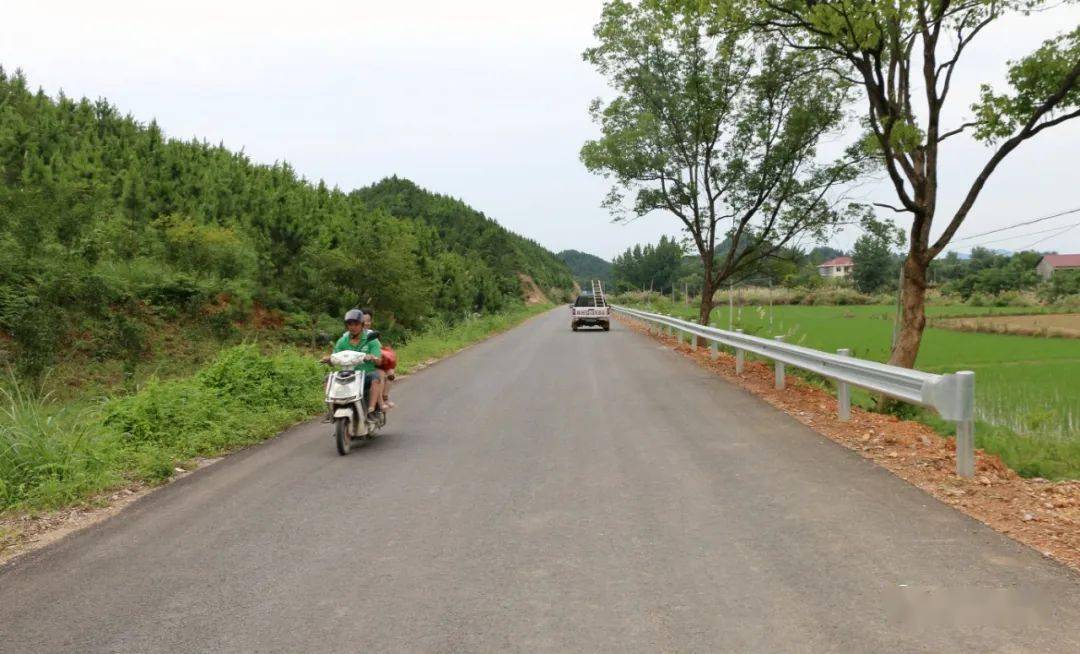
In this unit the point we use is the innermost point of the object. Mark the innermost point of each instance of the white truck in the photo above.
(591, 309)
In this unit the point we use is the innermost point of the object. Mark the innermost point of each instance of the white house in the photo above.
(840, 267)
(1053, 262)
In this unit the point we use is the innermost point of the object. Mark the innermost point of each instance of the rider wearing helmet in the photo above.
(358, 339)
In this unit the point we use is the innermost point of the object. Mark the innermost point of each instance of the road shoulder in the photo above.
(1040, 514)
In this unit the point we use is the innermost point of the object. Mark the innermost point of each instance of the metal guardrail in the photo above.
(951, 395)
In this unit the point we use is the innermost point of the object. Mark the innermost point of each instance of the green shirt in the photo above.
(372, 347)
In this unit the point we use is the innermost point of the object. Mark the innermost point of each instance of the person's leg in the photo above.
(387, 378)
(367, 392)
(382, 380)
(376, 393)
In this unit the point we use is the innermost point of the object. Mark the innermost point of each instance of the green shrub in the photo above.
(1013, 299)
(1062, 284)
(243, 374)
(240, 397)
(205, 250)
(840, 296)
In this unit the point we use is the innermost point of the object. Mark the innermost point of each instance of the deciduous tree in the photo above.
(716, 129)
(875, 262)
(905, 55)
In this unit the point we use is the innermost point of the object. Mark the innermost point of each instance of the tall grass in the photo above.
(240, 398)
(50, 454)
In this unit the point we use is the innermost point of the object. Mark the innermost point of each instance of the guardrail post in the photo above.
(714, 350)
(740, 358)
(843, 395)
(965, 428)
(779, 370)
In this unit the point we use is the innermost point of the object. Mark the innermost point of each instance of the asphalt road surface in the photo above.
(544, 491)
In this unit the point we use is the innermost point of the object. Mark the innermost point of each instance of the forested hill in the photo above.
(466, 231)
(586, 267)
(109, 230)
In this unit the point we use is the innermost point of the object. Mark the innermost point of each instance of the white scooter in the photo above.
(346, 403)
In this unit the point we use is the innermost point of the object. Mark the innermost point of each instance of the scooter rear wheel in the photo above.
(342, 436)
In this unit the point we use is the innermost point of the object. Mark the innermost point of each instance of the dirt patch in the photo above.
(264, 319)
(1062, 325)
(25, 533)
(1041, 514)
(530, 291)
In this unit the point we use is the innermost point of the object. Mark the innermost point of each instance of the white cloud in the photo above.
(483, 100)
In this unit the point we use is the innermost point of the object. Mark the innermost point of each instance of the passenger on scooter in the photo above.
(385, 368)
(359, 339)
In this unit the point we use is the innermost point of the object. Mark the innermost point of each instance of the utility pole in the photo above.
(770, 303)
(731, 307)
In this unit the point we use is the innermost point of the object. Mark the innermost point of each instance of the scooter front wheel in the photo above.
(342, 436)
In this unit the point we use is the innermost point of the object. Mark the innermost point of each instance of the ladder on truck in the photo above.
(598, 294)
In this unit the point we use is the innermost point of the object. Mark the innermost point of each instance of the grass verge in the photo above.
(55, 454)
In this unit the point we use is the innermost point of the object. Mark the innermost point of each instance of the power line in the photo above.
(1067, 229)
(1013, 238)
(1023, 224)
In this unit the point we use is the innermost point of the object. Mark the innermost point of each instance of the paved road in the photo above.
(544, 491)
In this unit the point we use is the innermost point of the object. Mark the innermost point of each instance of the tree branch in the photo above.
(955, 131)
(889, 206)
(1030, 129)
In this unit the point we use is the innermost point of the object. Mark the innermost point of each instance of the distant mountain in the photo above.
(584, 267)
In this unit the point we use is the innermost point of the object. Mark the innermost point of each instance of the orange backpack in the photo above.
(389, 358)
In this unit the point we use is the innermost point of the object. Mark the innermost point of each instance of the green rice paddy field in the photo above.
(1027, 387)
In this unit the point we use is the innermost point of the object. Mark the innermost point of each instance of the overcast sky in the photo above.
(485, 100)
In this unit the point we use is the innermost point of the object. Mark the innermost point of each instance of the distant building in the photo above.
(840, 267)
(1054, 262)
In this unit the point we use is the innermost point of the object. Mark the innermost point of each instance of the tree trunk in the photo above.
(912, 313)
(706, 308)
